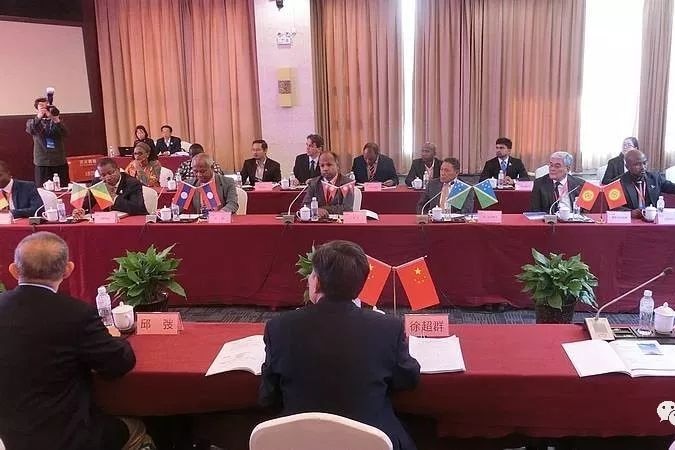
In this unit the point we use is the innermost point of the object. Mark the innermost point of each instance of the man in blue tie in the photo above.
(513, 168)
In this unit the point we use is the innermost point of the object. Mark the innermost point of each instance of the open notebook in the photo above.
(437, 355)
(243, 354)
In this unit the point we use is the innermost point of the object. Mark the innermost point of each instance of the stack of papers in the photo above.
(243, 354)
(437, 355)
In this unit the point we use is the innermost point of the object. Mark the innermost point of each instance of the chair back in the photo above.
(185, 146)
(601, 172)
(150, 198)
(358, 198)
(670, 174)
(48, 198)
(242, 199)
(164, 176)
(541, 171)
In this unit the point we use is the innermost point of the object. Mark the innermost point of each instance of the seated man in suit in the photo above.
(125, 190)
(224, 186)
(19, 197)
(427, 163)
(307, 164)
(46, 369)
(185, 168)
(260, 167)
(438, 190)
(351, 358)
(167, 144)
(557, 186)
(373, 166)
(642, 188)
(617, 165)
(513, 168)
(331, 201)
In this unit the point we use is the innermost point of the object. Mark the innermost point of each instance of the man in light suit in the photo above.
(331, 201)
(617, 165)
(167, 144)
(640, 187)
(351, 358)
(427, 163)
(307, 164)
(260, 167)
(21, 197)
(438, 189)
(373, 166)
(557, 185)
(513, 168)
(225, 188)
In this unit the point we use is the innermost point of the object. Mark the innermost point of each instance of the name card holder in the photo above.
(372, 187)
(264, 186)
(105, 217)
(667, 217)
(5, 219)
(164, 323)
(489, 216)
(354, 217)
(524, 185)
(427, 325)
(618, 217)
(220, 217)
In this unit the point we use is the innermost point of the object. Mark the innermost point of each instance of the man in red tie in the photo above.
(327, 187)
(642, 188)
(557, 186)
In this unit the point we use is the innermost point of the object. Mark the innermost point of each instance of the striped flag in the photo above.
(485, 194)
(4, 203)
(209, 195)
(78, 194)
(101, 195)
(183, 195)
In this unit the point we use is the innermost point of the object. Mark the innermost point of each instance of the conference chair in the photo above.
(48, 198)
(309, 431)
(601, 172)
(150, 199)
(358, 198)
(2, 446)
(670, 174)
(164, 176)
(185, 146)
(541, 171)
(242, 199)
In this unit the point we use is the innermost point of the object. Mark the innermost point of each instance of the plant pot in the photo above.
(160, 304)
(547, 314)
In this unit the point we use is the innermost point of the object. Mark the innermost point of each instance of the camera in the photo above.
(53, 110)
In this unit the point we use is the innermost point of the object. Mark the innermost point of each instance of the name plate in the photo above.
(427, 325)
(219, 217)
(5, 219)
(105, 217)
(618, 217)
(667, 217)
(372, 187)
(264, 186)
(158, 323)
(524, 185)
(489, 216)
(354, 217)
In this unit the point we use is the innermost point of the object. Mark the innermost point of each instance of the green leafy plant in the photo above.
(554, 280)
(141, 276)
(2, 287)
(304, 266)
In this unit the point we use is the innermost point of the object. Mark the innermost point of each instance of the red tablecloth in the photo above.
(518, 380)
(170, 162)
(252, 260)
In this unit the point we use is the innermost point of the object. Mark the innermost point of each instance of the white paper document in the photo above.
(243, 354)
(437, 355)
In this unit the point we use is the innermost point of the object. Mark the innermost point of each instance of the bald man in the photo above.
(49, 346)
(642, 188)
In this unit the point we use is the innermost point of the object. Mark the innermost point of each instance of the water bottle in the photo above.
(576, 209)
(178, 178)
(111, 152)
(175, 213)
(646, 314)
(447, 208)
(660, 204)
(57, 182)
(61, 211)
(351, 176)
(425, 180)
(104, 307)
(171, 184)
(314, 210)
(237, 179)
(500, 179)
(292, 181)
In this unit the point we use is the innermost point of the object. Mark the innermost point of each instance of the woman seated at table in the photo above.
(142, 135)
(146, 171)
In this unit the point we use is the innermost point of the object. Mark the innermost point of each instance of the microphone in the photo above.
(599, 328)
(37, 220)
(50, 95)
(288, 217)
(424, 218)
(552, 218)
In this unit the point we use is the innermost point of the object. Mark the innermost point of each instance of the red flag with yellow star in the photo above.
(378, 275)
(418, 285)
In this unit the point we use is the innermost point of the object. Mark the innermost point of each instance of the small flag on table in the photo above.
(614, 194)
(209, 195)
(329, 190)
(377, 277)
(183, 195)
(458, 193)
(4, 203)
(485, 194)
(78, 195)
(418, 285)
(347, 188)
(588, 195)
(101, 195)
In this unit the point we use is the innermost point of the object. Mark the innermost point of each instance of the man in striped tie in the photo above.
(372, 166)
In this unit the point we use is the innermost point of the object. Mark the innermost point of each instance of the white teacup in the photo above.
(123, 316)
(664, 319)
(51, 215)
(48, 185)
(649, 213)
(164, 214)
(304, 214)
(285, 183)
(171, 185)
(417, 183)
(437, 214)
(564, 212)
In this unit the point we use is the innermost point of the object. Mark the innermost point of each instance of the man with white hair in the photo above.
(558, 186)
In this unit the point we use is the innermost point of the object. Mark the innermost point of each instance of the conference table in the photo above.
(252, 260)
(170, 162)
(518, 379)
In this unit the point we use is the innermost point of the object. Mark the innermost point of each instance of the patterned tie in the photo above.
(311, 166)
(445, 190)
(503, 164)
(557, 189)
(371, 172)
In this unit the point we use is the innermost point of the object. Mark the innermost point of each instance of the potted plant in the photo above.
(304, 266)
(142, 278)
(2, 287)
(556, 284)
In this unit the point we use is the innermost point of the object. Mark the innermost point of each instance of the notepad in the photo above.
(437, 355)
(246, 354)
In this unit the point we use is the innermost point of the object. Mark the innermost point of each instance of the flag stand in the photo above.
(393, 285)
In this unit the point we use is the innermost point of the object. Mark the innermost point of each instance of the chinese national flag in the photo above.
(417, 282)
(614, 194)
(588, 195)
(378, 275)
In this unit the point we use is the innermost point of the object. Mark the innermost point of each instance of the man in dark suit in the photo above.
(438, 189)
(226, 190)
(351, 358)
(513, 168)
(331, 200)
(19, 197)
(48, 133)
(640, 187)
(49, 346)
(167, 144)
(558, 184)
(373, 166)
(427, 163)
(307, 164)
(617, 165)
(260, 167)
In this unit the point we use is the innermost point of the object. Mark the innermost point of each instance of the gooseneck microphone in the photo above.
(288, 217)
(552, 218)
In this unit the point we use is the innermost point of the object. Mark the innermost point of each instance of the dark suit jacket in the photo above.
(227, 193)
(615, 168)
(656, 185)
(515, 169)
(174, 145)
(301, 168)
(542, 196)
(49, 344)
(272, 171)
(337, 358)
(433, 189)
(129, 196)
(385, 170)
(418, 168)
(25, 198)
(338, 204)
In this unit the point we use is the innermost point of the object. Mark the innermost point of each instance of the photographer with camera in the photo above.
(49, 154)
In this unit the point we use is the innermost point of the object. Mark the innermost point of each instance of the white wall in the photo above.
(285, 129)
